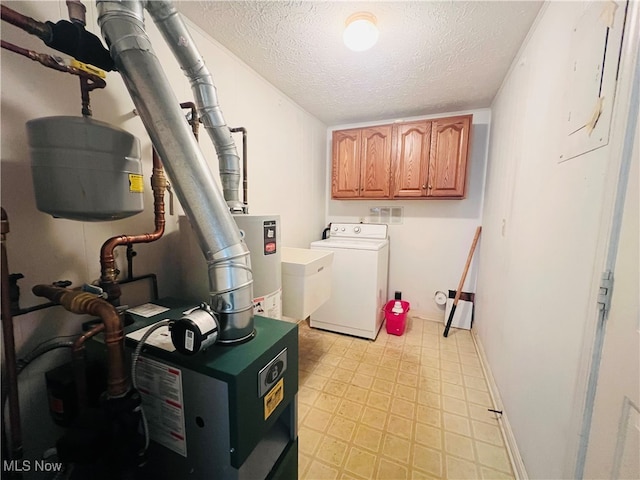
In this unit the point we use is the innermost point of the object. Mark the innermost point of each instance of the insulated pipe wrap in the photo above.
(228, 257)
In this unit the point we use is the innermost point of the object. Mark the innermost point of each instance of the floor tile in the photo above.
(456, 424)
(341, 428)
(396, 448)
(401, 407)
(327, 402)
(458, 468)
(428, 436)
(319, 471)
(492, 456)
(459, 446)
(399, 426)
(388, 470)
(487, 433)
(428, 460)
(361, 463)
(373, 417)
(368, 438)
(332, 451)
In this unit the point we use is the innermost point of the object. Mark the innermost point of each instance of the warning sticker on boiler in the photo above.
(160, 386)
(273, 398)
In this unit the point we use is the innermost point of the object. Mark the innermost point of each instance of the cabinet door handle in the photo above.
(430, 186)
(424, 186)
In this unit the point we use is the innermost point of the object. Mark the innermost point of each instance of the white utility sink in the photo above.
(306, 280)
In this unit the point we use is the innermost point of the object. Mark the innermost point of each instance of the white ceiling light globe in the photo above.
(361, 32)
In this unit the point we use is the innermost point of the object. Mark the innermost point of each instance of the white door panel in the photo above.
(614, 440)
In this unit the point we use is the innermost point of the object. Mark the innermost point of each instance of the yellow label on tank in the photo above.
(136, 183)
(273, 398)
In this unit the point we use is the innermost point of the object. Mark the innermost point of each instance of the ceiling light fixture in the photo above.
(361, 32)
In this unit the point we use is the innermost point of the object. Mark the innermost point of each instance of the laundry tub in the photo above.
(306, 281)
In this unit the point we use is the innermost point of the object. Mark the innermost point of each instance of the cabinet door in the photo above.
(411, 159)
(375, 162)
(448, 156)
(345, 175)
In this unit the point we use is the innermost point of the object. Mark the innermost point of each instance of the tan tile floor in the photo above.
(402, 407)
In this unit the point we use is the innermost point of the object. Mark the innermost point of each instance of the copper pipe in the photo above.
(108, 278)
(93, 81)
(28, 24)
(10, 350)
(88, 81)
(75, 301)
(79, 364)
(109, 274)
(77, 12)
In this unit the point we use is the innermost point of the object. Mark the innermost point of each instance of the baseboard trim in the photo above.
(517, 464)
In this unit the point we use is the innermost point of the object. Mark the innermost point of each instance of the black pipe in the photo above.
(130, 254)
(64, 36)
(245, 181)
(42, 306)
(153, 278)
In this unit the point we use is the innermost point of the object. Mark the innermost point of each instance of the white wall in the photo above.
(541, 253)
(429, 249)
(286, 166)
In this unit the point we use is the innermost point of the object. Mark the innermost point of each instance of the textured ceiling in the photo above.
(431, 57)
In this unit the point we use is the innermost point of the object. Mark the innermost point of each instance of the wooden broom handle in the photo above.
(466, 267)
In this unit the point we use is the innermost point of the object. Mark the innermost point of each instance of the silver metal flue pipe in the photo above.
(178, 38)
(230, 279)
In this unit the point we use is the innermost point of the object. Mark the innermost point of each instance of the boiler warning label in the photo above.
(160, 386)
(273, 398)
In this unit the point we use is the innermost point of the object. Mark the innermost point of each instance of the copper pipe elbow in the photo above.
(75, 301)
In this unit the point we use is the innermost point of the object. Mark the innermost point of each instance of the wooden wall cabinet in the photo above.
(448, 157)
(430, 158)
(411, 159)
(424, 159)
(361, 165)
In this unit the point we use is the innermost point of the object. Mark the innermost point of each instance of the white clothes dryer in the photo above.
(358, 282)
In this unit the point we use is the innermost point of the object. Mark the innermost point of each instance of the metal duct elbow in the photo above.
(177, 36)
(230, 279)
